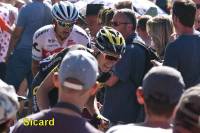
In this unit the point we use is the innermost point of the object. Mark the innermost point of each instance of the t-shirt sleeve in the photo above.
(21, 20)
(170, 58)
(131, 66)
(83, 39)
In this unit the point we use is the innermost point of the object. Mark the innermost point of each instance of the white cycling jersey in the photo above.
(45, 42)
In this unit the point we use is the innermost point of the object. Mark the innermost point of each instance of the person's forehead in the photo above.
(91, 18)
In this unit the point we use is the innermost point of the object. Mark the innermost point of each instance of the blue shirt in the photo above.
(120, 102)
(31, 17)
(184, 55)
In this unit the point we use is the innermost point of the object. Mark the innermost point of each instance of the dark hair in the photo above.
(142, 22)
(188, 109)
(93, 9)
(185, 10)
(158, 107)
(183, 120)
(124, 4)
(130, 14)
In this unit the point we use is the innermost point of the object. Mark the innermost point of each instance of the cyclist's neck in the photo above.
(60, 39)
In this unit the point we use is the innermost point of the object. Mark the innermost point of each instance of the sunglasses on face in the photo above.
(110, 57)
(116, 24)
(66, 25)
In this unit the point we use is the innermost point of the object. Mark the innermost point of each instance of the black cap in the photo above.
(93, 9)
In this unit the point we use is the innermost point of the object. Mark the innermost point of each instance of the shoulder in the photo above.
(176, 44)
(79, 31)
(91, 129)
(23, 124)
(134, 128)
(40, 33)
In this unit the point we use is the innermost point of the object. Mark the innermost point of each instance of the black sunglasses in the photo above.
(116, 24)
(110, 57)
(66, 25)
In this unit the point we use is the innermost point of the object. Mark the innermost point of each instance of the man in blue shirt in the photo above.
(31, 17)
(120, 102)
(183, 54)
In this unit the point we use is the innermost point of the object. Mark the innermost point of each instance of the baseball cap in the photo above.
(9, 104)
(189, 105)
(81, 66)
(164, 84)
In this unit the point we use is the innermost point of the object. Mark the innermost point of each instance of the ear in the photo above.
(55, 79)
(140, 95)
(94, 89)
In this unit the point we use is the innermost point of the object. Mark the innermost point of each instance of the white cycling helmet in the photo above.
(65, 11)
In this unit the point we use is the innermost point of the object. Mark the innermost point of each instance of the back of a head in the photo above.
(78, 70)
(162, 87)
(188, 110)
(142, 22)
(130, 16)
(105, 16)
(9, 104)
(185, 10)
(123, 4)
(160, 29)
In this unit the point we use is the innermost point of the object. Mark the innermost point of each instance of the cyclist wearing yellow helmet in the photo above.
(109, 47)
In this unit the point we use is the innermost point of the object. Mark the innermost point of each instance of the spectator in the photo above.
(120, 102)
(76, 81)
(8, 105)
(160, 29)
(92, 11)
(8, 16)
(20, 47)
(196, 24)
(124, 4)
(142, 30)
(160, 92)
(180, 55)
(164, 5)
(188, 112)
(105, 16)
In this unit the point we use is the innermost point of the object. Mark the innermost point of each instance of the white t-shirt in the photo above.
(45, 42)
(131, 128)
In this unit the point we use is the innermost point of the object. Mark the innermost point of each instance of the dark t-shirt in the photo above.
(62, 124)
(120, 102)
(184, 55)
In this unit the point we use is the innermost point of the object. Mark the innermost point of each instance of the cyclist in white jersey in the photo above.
(64, 32)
